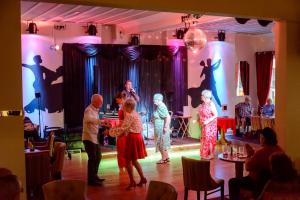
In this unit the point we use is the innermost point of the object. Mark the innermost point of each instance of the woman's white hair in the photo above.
(207, 94)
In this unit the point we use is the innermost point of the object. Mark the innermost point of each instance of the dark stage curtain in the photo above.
(264, 62)
(151, 69)
(244, 72)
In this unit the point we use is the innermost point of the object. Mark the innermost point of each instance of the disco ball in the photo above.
(194, 39)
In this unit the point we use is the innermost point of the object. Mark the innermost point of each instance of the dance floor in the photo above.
(116, 182)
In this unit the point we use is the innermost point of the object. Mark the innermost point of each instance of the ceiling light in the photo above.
(32, 28)
(92, 29)
(221, 35)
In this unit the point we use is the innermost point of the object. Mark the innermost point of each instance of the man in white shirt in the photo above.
(91, 124)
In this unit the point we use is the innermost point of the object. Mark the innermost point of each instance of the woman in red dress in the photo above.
(121, 140)
(208, 122)
(135, 147)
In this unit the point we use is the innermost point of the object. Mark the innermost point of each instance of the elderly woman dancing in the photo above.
(135, 147)
(208, 122)
(162, 131)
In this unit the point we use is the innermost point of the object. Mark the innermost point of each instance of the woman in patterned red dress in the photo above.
(121, 140)
(208, 122)
(135, 148)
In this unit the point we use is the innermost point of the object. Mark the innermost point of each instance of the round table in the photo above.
(239, 163)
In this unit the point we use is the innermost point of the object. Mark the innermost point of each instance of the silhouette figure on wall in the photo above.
(208, 83)
(50, 94)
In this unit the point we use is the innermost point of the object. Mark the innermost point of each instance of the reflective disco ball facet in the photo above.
(195, 39)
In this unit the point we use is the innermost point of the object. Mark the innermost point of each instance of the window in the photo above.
(272, 86)
(239, 87)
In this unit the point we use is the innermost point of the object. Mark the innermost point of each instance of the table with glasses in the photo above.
(237, 158)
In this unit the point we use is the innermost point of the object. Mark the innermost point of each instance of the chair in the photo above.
(46, 145)
(255, 124)
(58, 160)
(196, 176)
(240, 122)
(161, 191)
(281, 190)
(64, 190)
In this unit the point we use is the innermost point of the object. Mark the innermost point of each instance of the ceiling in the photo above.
(130, 19)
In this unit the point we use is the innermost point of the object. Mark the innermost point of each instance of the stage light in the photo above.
(135, 39)
(241, 20)
(32, 28)
(221, 35)
(263, 23)
(92, 29)
(55, 47)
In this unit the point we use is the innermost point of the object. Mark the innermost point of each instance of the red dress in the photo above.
(209, 131)
(121, 144)
(132, 125)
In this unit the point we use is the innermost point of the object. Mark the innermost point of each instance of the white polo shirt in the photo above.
(90, 124)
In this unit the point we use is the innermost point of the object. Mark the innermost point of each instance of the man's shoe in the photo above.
(94, 184)
(99, 179)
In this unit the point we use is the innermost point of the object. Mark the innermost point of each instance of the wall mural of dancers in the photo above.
(208, 83)
(48, 95)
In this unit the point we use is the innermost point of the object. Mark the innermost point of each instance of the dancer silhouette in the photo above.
(208, 83)
(43, 85)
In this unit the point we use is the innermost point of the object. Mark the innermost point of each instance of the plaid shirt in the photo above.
(245, 109)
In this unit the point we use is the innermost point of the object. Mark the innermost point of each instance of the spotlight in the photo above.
(92, 29)
(135, 39)
(55, 47)
(241, 20)
(32, 28)
(179, 33)
(221, 35)
(263, 23)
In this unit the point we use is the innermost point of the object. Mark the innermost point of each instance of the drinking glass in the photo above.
(241, 151)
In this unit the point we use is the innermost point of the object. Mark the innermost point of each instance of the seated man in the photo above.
(9, 185)
(31, 131)
(258, 166)
(268, 109)
(284, 182)
(244, 113)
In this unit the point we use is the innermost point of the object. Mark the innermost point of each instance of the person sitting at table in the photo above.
(10, 188)
(284, 182)
(257, 164)
(31, 130)
(243, 114)
(268, 109)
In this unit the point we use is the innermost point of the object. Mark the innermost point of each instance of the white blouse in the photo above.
(131, 124)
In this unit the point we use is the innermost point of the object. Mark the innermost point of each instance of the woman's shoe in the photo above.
(163, 161)
(131, 185)
(142, 182)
